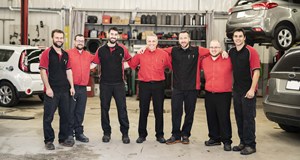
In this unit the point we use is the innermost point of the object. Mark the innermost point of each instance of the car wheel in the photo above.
(283, 38)
(41, 96)
(290, 129)
(8, 95)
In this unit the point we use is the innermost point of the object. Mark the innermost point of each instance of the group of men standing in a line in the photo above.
(66, 74)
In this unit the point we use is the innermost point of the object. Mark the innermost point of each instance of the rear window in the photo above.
(289, 62)
(5, 54)
(244, 2)
(33, 55)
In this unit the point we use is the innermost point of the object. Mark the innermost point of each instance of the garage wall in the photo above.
(51, 15)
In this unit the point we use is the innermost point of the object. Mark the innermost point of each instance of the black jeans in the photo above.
(156, 91)
(188, 98)
(77, 110)
(117, 91)
(245, 113)
(217, 107)
(60, 100)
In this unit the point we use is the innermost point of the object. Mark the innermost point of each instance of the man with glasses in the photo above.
(111, 56)
(218, 91)
(80, 61)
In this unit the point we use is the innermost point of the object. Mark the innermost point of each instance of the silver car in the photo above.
(282, 104)
(267, 21)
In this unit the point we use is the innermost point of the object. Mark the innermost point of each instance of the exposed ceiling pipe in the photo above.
(46, 10)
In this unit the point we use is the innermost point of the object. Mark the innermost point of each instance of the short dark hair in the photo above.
(239, 30)
(78, 35)
(57, 31)
(184, 31)
(113, 28)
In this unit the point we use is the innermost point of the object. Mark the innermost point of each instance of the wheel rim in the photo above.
(285, 38)
(5, 95)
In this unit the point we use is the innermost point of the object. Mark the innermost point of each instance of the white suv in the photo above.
(19, 73)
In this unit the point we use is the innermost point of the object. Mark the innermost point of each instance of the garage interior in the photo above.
(30, 22)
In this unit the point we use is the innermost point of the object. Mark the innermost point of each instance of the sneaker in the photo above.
(105, 138)
(161, 140)
(82, 138)
(125, 139)
(227, 147)
(185, 140)
(172, 140)
(248, 150)
(50, 146)
(140, 140)
(239, 147)
(212, 142)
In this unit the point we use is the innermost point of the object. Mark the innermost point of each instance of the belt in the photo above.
(152, 82)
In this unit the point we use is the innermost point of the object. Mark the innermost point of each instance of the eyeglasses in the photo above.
(214, 47)
(80, 41)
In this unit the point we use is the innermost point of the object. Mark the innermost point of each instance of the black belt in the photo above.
(152, 82)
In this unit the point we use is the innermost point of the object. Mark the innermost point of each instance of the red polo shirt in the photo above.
(80, 64)
(152, 65)
(218, 74)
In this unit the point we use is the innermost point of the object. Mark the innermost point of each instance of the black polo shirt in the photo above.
(244, 62)
(186, 66)
(111, 60)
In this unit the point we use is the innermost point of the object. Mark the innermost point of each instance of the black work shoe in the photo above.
(50, 146)
(172, 140)
(82, 138)
(66, 143)
(105, 138)
(161, 140)
(227, 147)
(239, 147)
(70, 140)
(140, 140)
(185, 140)
(125, 139)
(212, 142)
(248, 150)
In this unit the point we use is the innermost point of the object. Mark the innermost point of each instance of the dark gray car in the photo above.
(282, 104)
(267, 21)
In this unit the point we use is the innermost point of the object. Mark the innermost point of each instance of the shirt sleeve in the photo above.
(127, 56)
(134, 61)
(96, 57)
(168, 50)
(203, 51)
(168, 62)
(44, 60)
(254, 60)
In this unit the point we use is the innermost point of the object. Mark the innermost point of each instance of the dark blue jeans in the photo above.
(245, 113)
(77, 110)
(187, 98)
(117, 91)
(60, 101)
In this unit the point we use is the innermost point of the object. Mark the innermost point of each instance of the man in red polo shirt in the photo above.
(218, 87)
(56, 74)
(80, 61)
(151, 76)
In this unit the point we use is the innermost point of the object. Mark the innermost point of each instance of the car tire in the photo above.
(41, 96)
(290, 129)
(8, 95)
(284, 38)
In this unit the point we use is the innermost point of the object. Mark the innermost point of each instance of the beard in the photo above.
(57, 45)
(184, 46)
(112, 42)
(79, 47)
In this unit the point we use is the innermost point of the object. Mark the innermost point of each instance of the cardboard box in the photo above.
(124, 21)
(115, 20)
(137, 20)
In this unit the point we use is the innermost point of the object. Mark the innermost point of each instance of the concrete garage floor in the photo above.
(23, 139)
